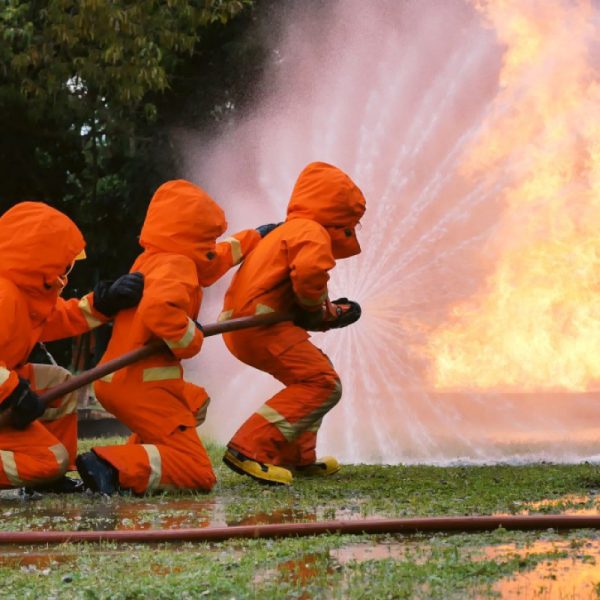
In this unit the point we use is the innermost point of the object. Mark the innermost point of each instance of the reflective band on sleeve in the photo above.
(236, 249)
(225, 316)
(155, 462)
(4, 375)
(263, 309)
(161, 373)
(290, 431)
(107, 378)
(9, 466)
(61, 455)
(309, 302)
(186, 339)
(86, 309)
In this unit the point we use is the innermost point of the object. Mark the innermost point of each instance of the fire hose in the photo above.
(154, 347)
(363, 526)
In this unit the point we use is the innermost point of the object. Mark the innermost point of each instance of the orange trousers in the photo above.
(283, 431)
(46, 449)
(165, 451)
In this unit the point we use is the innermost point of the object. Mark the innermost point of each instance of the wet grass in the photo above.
(439, 566)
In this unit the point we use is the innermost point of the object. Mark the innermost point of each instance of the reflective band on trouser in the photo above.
(236, 250)
(4, 375)
(290, 431)
(201, 415)
(86, 309)
(155, 463)
(309, 302)
(161, 373)
(9, 466)
(186, 339)
(61, 455)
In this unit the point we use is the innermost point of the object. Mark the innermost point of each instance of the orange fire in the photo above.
(535, 323)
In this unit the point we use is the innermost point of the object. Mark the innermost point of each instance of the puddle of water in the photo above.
(285, 515)
(364, 552)
(573, 577)
(569, 504)
(35, 560)
(116, 514)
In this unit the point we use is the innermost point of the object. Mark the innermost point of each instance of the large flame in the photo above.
(535, 324)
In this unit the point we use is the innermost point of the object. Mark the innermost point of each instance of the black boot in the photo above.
(97, 474)
(64, 485)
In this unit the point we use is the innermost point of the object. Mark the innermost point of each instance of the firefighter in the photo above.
(288, 270)
(164, 412)
(38, 248)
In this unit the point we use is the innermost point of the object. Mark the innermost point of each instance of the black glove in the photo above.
(265, 229)
(112, 296)
(348, 312)
(333, 315)
(24, 404)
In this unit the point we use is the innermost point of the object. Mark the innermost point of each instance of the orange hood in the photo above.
(183, 219)
(37, 244)
(325, 194)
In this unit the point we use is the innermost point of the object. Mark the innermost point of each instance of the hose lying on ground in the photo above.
(371, 526)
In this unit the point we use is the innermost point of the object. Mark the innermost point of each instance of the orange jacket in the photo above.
(180, 257)
(38, 245)
(290, 265)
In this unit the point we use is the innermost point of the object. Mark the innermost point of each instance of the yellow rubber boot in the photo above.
(322, 467)
(263, 472)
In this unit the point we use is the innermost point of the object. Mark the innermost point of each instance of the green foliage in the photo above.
(81, 127)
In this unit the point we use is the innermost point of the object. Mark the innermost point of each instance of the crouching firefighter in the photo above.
(38, 248)
(288, 271)
(164, 412)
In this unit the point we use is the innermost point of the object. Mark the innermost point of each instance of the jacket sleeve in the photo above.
(166, 302)
(8, 378)
(310, 258)
(72, 317)
(232, 250)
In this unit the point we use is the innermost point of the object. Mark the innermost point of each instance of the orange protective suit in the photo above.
(150, 397)
(289, 268)
(38, 244)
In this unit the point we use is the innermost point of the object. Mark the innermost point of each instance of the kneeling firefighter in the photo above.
(180, 257)
(287, 272)
(38, 248)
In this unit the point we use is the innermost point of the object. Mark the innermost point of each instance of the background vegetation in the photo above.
(90, 93)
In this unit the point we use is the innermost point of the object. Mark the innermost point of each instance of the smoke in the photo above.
(399, 95)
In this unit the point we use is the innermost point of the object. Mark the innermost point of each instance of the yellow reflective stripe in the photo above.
(161, 373)
(86, 309)
(9, 466)
(263, 309)
(286, 429)
(311, 422)
(67, 406)
(225, 315)
(309, 302)
(236, 249)
(46, 376)
(186, 339)
(4, 375)
(107, 378)
(201, 415)
(61, 455)
(155, 462)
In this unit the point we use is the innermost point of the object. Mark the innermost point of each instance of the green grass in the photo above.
(438, 566)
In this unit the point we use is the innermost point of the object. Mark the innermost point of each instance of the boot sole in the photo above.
(236, 465)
